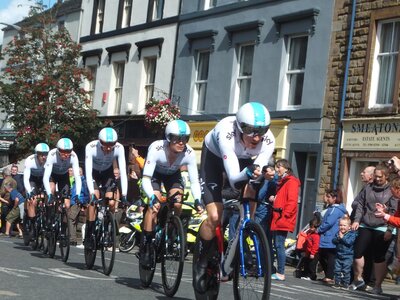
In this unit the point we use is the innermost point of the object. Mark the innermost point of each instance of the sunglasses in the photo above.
(253, 131)
(108, 145)
(175, 139)
(63, 151)
(42, 153)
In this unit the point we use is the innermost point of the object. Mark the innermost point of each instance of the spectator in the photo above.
(367, 177)
(328, 229)
(344, 241)
(373, 231)
(19, 178)
(284, 212)
(5, 196)
(133, 193)
(13, 204)
(134, 157)
(311, 246)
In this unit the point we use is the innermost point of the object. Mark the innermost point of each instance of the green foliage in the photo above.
(42, 92)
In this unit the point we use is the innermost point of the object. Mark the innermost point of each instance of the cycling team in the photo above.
(238, 146)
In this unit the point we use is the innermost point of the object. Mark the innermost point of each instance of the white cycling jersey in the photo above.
(34, 168)
(225, 141)
(96, 159)
(157, 160)
(54, 164)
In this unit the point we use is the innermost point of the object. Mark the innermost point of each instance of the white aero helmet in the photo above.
(42, 148)
(65, 144)
(108, 136)
(177, 130)
(253, 119)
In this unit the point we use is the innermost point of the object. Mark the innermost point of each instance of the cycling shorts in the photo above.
(62, 182)
(105, 179)
(36, 183)
(172, 181)
(211, 175)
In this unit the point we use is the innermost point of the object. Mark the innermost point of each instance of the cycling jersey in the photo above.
(55, 165)
(157, 161)
(224, 141)
(97, 160)
(32, 171)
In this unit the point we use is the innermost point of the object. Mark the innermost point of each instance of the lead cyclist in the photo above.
(231, 147)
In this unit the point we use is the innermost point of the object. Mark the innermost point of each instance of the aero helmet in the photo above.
(65, 144)
(253, 118)
(177, 128)
(108, 135)
(42, 148)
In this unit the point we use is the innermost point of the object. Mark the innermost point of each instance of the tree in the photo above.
(42, 85)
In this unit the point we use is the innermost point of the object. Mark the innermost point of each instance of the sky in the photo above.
(13, 11)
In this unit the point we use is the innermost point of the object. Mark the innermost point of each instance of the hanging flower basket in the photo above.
(159, 113)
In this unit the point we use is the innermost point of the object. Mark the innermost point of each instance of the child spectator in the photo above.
(344, 241)
(311, 247)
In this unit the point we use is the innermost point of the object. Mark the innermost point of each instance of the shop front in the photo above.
(366, 142)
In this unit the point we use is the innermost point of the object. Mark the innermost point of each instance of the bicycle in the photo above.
(169, 248)
(59, 227)
(104, 236)
(245, 261)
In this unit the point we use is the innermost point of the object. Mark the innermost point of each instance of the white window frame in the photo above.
(157, 12)
(289, 73)
(373, 101)
(150, 68)
(200, 85)
(100, 16)
(119, 70)
(240, 79)
(127, 13)
(91, 84)
(209, 4)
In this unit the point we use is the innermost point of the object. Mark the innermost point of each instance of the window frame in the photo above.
(377, 16)
(148, 82)
(200, 82)
(118, 85)
(152, 14)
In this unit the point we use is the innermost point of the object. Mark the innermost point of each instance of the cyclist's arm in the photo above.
(267, 150)
(194, 178)
(48, 167)
(75, 168)
(89, 169)
(122, 168)
(27, 176)
(148, 172)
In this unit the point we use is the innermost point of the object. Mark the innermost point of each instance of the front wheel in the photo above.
(252, 266)
(127, 241)
(174, 256)
(64, 236)
(146, 274)
(108, 243)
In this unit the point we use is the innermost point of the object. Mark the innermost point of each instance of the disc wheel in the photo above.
(174, 256)
(248, 281)
(108, 243)
(64, 236)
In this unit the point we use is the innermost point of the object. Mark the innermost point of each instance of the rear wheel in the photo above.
(27, 229)
(127, 241)
(146, 274)
(64, 236)
(249, 281)
(108, 243)
(174, 255)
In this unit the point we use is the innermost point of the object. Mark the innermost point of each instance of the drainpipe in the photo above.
(344, 93)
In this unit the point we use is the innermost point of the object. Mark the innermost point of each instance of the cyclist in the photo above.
(59, 160)
(99, 157)
(237, 145)
(163, 163)
(33, 177)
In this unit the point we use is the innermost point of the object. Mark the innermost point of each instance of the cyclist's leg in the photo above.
(90, 221)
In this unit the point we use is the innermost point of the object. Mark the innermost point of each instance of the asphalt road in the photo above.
(27, 274)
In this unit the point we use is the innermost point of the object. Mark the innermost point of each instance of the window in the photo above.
(150, 64)
(61, 25)
(199, 99)
(156, 8)
(246, 53)
(100, 16)
(119, 84)
(126, 13)
(294, 80)
(91, 84)
(383, 79)
(209, 4)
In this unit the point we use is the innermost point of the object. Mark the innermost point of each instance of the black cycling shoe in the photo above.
(146, 256)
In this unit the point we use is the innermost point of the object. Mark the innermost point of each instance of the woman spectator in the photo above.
(373, 232)
(284, 212)
(328, 229)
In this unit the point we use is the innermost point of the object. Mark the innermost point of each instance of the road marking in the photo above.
(8, 293)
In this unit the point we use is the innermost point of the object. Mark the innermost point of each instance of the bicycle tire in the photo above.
(127, 241)
(107, 254)
(174, 256)
(213, 282)
(52, 243)
(34, 243)
(146, 274)
(26, 232)
(90, 254)
(64, 236)
(254, 286)
(43, 242)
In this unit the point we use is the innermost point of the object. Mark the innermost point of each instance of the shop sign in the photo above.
(371, 134)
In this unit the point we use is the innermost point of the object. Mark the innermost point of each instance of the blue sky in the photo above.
(13, 11)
